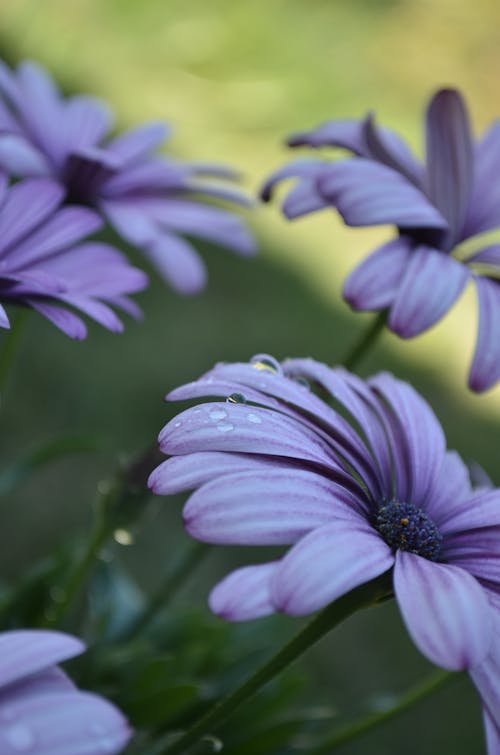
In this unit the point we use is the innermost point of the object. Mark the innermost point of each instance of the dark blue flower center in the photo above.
(405, 526)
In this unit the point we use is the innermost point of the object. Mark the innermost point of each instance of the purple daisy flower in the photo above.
(41, 710)
(354, 498)
(150, 201)
(46, 265)
(436, 206)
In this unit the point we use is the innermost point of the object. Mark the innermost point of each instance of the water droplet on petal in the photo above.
(217, 414)
(254, 418)
(20, 737)
(266, 362)
(236, 398)
(177, 424)
(225, 427)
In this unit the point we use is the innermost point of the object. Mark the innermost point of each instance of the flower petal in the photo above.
(27, 204)
(20, 158)
(326, 564)
(485, 368)
(66, 321)
(178, 263)
(346, 134)
(4, 320)
(451, 489)
(244, 594)
(486, 677)
(483, 211)
(269, 507)
(492, 732)
(445, 610)
(135, 145)
(430, 286)
(304, 169)
(368, 193)
(70, 723)
(449, 157)
(86, 122)
(27, 651)
(375, 283)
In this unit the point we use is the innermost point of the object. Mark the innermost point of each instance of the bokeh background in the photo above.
(234, 78)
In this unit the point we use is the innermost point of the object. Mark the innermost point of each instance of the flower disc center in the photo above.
(405, 526)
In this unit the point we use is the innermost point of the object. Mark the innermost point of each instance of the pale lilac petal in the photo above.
(136, 144)
(67, 226)
(445, 610)
(473, 512)
(485, 368)
(326, 564)
(86, 121)
(388, 148)
(26, 205)
(451, 489)
(70, 324)
(477, 552)
(346, 134)
(486, 677)
(431, 284)
(4, 320)
(367, 193)
(130, 222)
(449, 157)
(75, 723)
(49, 680)
(244, 594)
(483, 211)
(303, 199)
(148, 178)
(177, 262)
(20, 158)
(375, 283)
(40, 105)
(421, 437)
(98, 311)
(25, 652)
(492, 733)
(269, 507)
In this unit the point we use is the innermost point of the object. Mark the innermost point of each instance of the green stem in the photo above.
(10, 347)
(368, 338)
(184, 567)
(328, 618)
(372, 720)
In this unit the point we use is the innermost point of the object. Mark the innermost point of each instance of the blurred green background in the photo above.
(234, 78)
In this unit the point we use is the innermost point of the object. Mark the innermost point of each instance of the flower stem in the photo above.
(368, 338)
(329, 617)
(184, 567)
(10, 346)
(372, 720)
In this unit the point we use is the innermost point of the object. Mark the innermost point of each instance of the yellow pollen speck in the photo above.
(404, 521)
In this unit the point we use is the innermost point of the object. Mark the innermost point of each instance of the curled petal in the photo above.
(25, 652)
(244, 594)
(375, 283)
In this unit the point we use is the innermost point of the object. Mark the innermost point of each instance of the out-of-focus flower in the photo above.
(356, 493)
(41, 710)
(45, 263)
(435, 206)
(150, 201)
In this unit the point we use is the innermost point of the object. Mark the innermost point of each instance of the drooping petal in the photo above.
(389, 149)
(449, 157)
(375, 283)
(305, 169)
(244, 594)
(270, 507)
(20, 158)
(177, 262)
(74, 723)
(445, 610)
(25, 652)
(26, 205)
(326, 564)
(70, 324)
(346, 134)
(485, 368)
(431, 284)
(367, 193)
(49, 680)
(421, 438)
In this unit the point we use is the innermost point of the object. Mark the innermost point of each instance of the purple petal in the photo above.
(177, 262)
(430, 286)
(244, 594)
(41, 107)
(20, 158)
(301, 169)
(146, 179)
(346, 134)
(374, 284)
(98, 311)
(445, 610)
(86, 170)
(388, 148)
(484, 204)
(490, 255)
(67, 226)
(303, 199)
(367, 193)
(492, 733)
(421, 439)
(49, 680)
(71, 723)
(4, 320)
(474, 512)
(86, 121)
(66, 321)
(485, 368)
(25, 652)
(189, 472)
(451, 489)
(270, 507)
(449, 157)
(326, 564)
(486, 677)
(26, 205)
(135, 145)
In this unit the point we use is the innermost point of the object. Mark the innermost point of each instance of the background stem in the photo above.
(361, 347)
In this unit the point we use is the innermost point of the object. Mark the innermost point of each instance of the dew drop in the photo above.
(177, 424)
(20, 737)
(266, 362)
(254, 418)
(217, 414)
(236, 398)
(225, 427)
